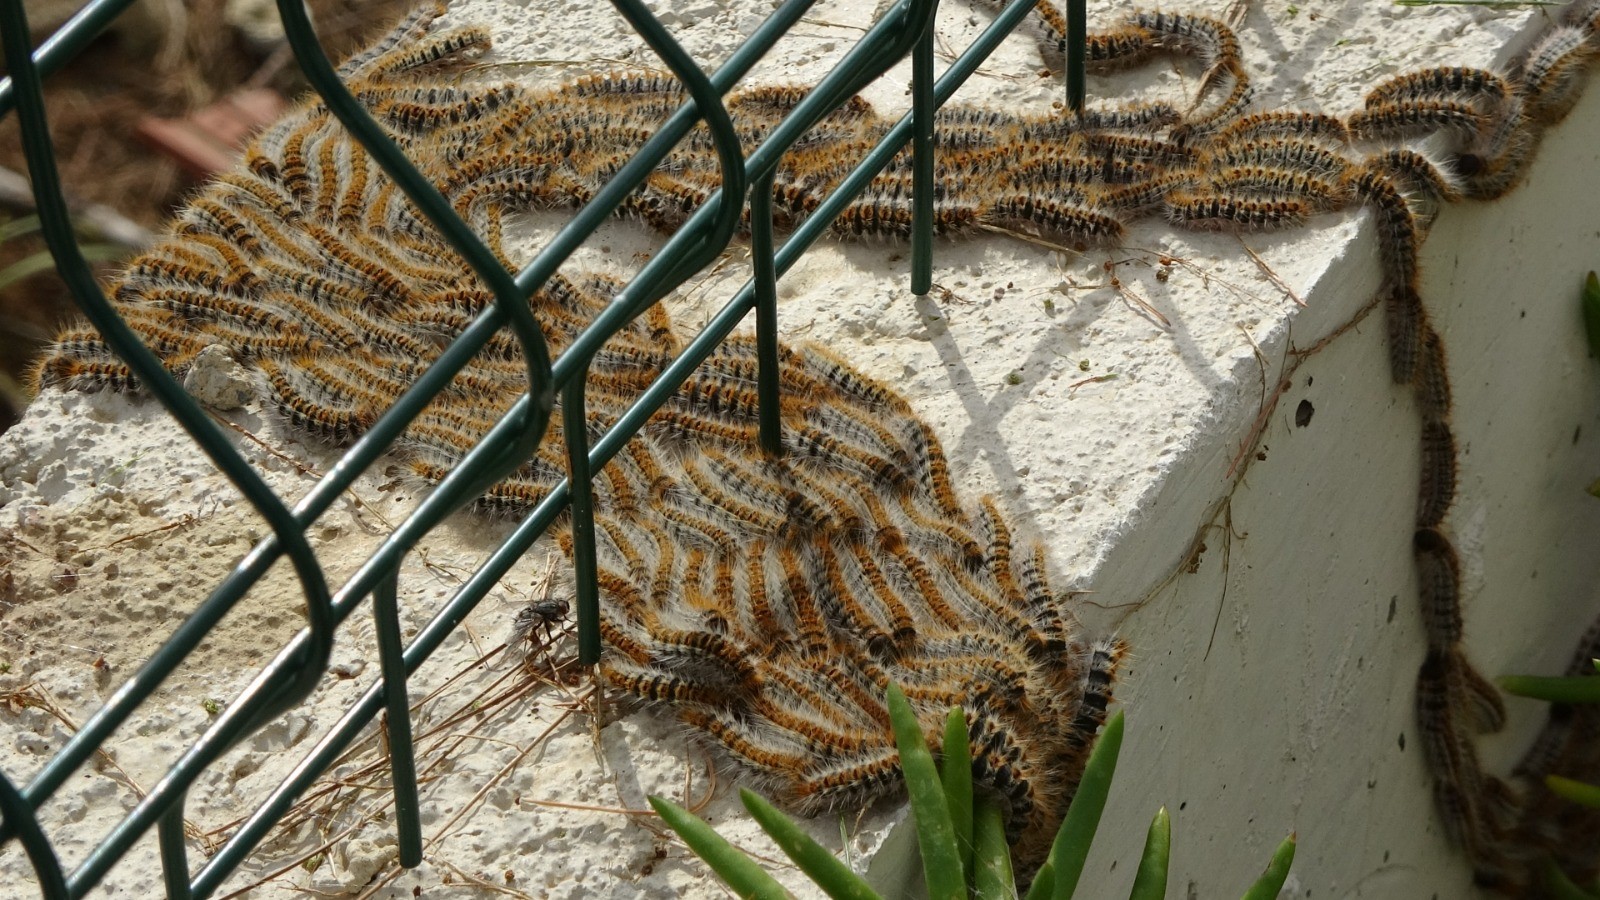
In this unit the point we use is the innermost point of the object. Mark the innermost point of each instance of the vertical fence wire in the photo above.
(1077, 54)
(300, 665)
(922, 150)
(397, 712)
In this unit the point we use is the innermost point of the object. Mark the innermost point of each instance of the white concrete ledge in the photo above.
(1270, 690)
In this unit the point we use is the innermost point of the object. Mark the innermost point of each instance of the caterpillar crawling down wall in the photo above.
(769, 601)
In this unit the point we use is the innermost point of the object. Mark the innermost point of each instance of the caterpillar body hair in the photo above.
(1209, 40)
(1141, 196)
(1405, 322)
(1207, 211)
(1117, 48)
(1099, 677)
(1552, 70)
(1142, 116)
(1420, 177)
(1284, 124)
(1080, 224)
(1416, 119)
(1433, 378)
(1297, 154)
(1479, 697)
(1439, 573)
(1437, 490)
(1584, 14)
(1202, 123)
(1319, 193)
(1399, 233)
(1449, 82)
(409, 29)
(662, 687)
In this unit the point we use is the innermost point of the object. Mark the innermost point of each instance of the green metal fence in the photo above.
(301, 664)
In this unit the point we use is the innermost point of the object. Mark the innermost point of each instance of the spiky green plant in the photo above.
(961, 837)
(1563, 689)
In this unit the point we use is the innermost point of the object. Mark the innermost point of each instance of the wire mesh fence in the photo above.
(905, 28)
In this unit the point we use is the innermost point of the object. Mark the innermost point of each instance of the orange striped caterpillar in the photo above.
(858, 562)
(1208, 211)
(1475, 85)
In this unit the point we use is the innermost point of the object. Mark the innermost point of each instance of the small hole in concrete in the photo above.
(1303, 413)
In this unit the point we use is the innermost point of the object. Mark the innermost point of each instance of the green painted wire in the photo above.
(397, 731)
(532, 527)
(173, 854)
(17, 815)
(66, 42)
(768, 391)
(923, 149)
(291, 685)
(1077, 45)
(706, 234)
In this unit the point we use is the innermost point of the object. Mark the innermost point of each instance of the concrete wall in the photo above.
(1299, 715)
(1269, 691)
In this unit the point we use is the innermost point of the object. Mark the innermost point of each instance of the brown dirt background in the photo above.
(95, 104)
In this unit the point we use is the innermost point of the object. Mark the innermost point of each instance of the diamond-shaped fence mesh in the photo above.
(905, 28)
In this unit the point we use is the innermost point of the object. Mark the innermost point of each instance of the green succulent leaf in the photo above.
(1579, 689)
(1271, 881)
(1591, 312)
(1558, 886)
(20, 226)
(1071, 847)
(941, 862)
(992, 878)
(956, 773)
(821, 866)
(1044, 882)
(743, 874)
(1577, 791)
(1150, 882)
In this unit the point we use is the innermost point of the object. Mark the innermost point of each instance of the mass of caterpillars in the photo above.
(770, 601)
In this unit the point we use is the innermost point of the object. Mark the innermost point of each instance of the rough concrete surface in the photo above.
(1269, 691)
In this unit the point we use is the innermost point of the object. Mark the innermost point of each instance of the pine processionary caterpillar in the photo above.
(1438, 488)
(1405, 321)
(1205, 211)
(1284, 125)
(1078, 224)
(1551, 72)
(1442, 82)
(1416, 118)
(1433, 378)
(1439, 576)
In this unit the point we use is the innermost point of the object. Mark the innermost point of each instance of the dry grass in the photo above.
(95, 104)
